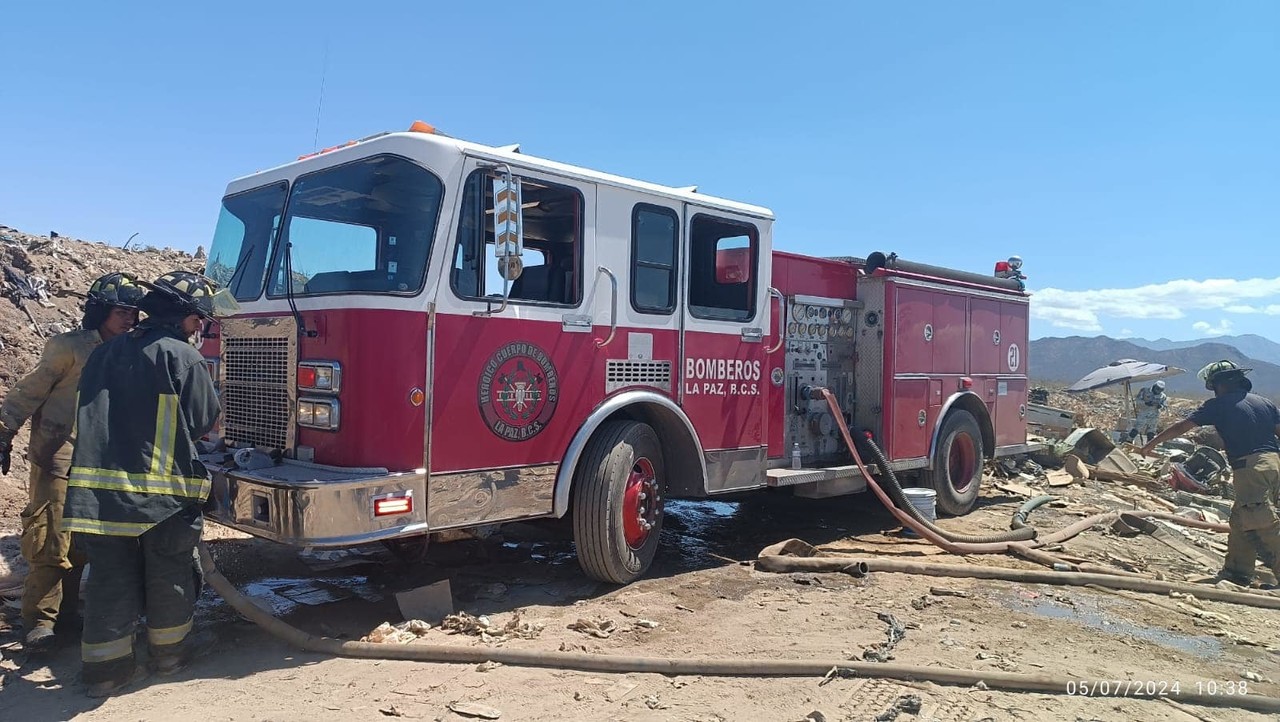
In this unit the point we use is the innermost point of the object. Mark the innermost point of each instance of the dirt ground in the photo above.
(702, 599)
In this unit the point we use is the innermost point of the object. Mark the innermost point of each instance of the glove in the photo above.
(6, 451)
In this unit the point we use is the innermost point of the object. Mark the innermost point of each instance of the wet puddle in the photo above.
(1097, 615)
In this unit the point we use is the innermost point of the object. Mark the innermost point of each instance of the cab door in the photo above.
(724, 371)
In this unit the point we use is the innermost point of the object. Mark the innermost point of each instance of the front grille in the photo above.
(620, 374)
(256, 399)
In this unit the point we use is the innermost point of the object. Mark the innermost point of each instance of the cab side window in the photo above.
(723, 256)
(655, 236)
(553, 223)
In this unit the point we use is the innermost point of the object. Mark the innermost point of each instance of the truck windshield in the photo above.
(362, 227)
(242, 238)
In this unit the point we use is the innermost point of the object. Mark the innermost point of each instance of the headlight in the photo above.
(318, 413)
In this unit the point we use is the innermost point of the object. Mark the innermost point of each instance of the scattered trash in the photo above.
(923, 602)
(403, 633)
(1018, 489)
(463, 623)
(908, 703)
(1019, 625)
(600, 628)
(837, 673)
(814, 716)
(1253, 677)
(652, 701)
(392, 711)
(475, 709)
(944, 592)
(882, 652)
(488, 666)
(646, 623)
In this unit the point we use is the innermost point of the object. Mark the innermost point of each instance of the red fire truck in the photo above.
(434, 335)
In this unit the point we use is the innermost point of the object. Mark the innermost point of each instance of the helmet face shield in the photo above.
(225, 304)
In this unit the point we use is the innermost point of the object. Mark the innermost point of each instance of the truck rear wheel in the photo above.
(617, 502)
(957, 464)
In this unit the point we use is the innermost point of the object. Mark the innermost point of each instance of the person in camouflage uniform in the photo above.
(47, 396)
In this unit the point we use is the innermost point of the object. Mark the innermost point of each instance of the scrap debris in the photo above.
(909, 703)
(600, 628)
(883, 651)
(482, 627)
(402, 633)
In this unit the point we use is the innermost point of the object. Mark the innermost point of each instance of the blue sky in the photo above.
(1129, 151)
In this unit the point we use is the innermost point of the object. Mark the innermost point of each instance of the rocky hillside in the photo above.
(1065, 360)
(63, 267)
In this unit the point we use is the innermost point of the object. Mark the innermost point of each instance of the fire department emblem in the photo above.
(519, 391)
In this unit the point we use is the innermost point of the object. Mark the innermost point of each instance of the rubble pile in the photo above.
(52, 274)
(1101, 409)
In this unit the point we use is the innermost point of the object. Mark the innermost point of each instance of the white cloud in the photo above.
(1222, 329)
(1126, 333)
(1172, 300)
(1272, 309)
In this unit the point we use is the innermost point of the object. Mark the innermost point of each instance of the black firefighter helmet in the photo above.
(188, 292)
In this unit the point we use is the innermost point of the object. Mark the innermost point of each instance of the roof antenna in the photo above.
(324, 71)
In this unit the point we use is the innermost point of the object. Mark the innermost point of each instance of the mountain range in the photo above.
(1251, 345)
(1066, 360)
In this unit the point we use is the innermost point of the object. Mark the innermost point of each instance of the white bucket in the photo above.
(924, 500)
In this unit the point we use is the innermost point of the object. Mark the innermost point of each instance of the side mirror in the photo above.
(508, 226)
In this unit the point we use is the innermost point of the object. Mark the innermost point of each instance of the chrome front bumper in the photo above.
(312, 505)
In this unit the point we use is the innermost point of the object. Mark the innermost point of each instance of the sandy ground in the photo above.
(704, 604)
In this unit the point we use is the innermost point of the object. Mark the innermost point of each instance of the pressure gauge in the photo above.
(791, 328)
(822, 312)
(797, 311)
(813, 329)
(822, 332)
(811, 311)
(846, 315)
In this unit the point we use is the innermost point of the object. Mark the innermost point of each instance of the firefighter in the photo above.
(1248, 425)
(47, 396)
(136, 487)
(1151, 401)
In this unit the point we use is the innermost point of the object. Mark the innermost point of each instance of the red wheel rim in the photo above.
(962, 461)
(641, 503)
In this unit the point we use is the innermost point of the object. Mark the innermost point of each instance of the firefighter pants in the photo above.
(149, 575)
(1255, 528)
(45, 547)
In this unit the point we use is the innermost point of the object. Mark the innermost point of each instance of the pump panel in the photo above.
(819, 345)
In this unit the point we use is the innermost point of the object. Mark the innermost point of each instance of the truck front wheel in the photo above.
(617, 502)
(957, 464)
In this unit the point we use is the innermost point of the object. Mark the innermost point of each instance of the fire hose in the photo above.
(782, 561)
(736, 667)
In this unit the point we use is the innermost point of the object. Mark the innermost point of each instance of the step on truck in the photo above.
(435, 337)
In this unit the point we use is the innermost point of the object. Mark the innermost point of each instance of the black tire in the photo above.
(605, 488)
(957, 464)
